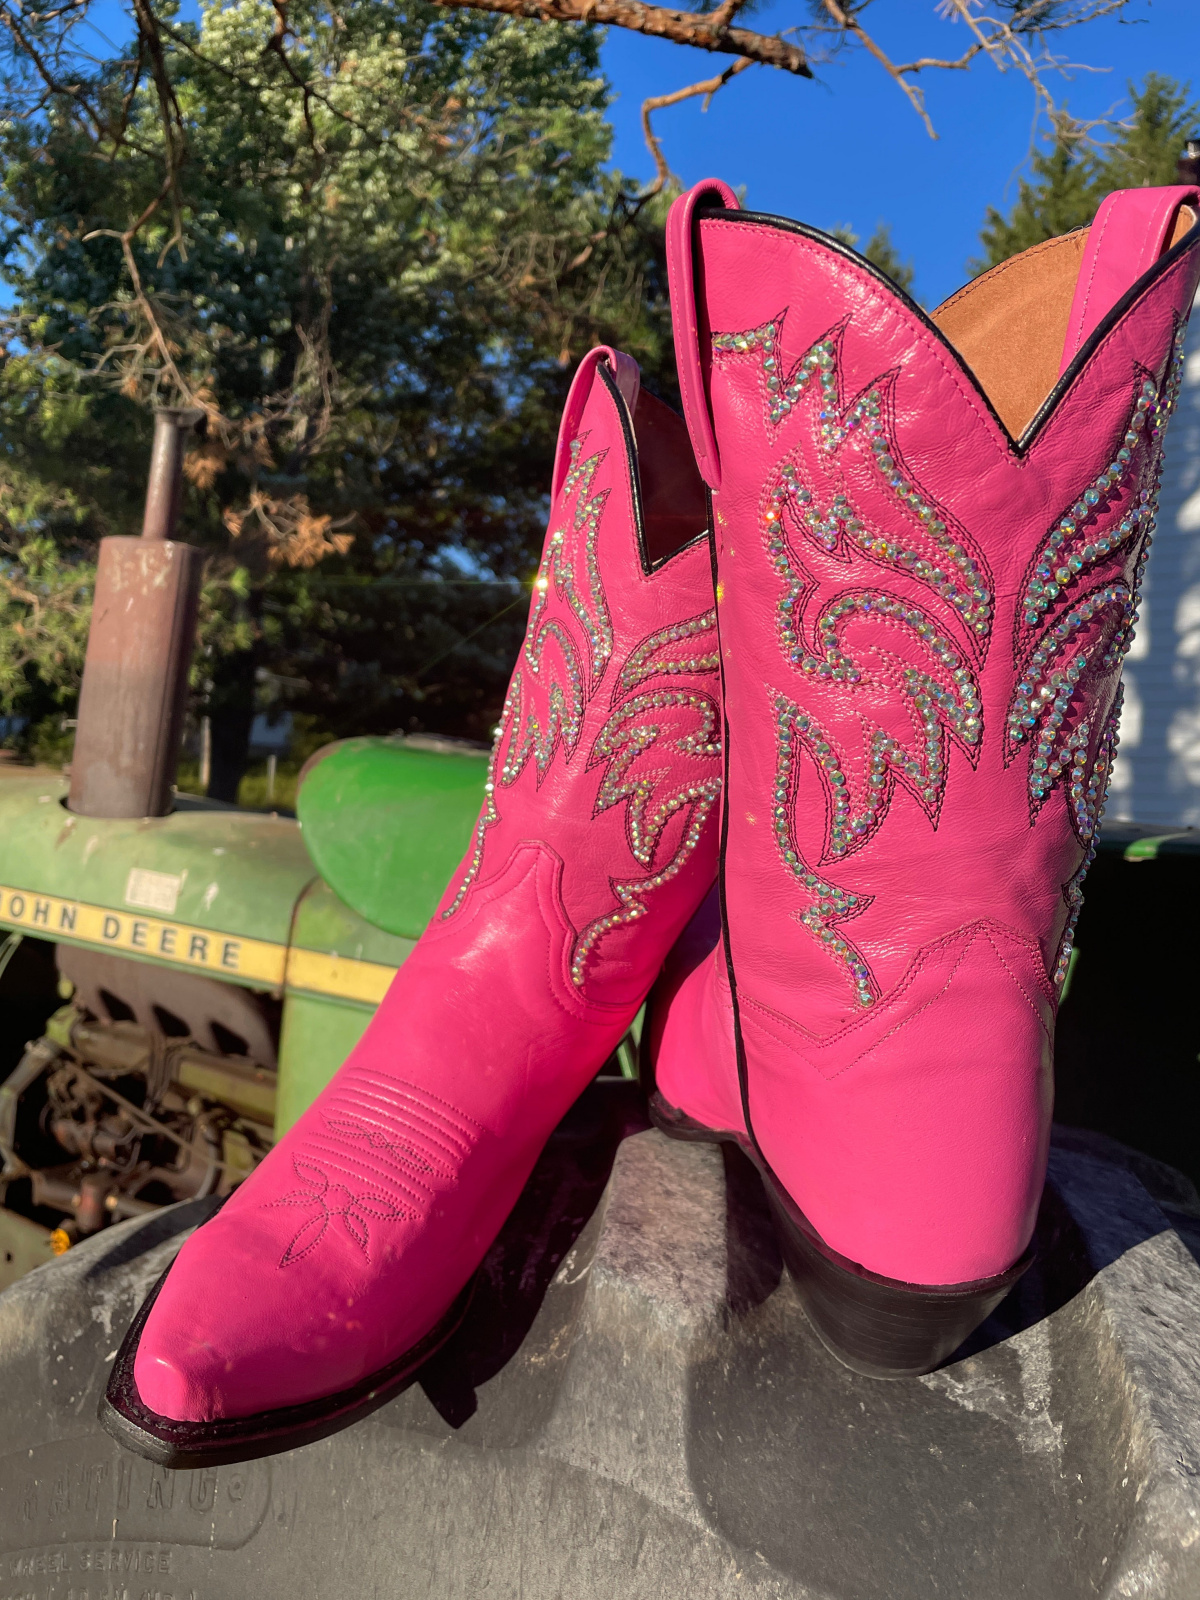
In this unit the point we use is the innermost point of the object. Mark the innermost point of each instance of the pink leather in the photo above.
(595, 846)
(690, 354)
(1129, 234)
(627, 375)
(693, 1004)
(898, 1042)
(693, 1048)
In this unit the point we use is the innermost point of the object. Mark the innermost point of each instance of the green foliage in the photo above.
(255, 792)
(1061, 195)
(45, 606)
(391, 238)
(1071, 179)
(48, 742)
(1147, 150)
(880, 250)
(61, 486)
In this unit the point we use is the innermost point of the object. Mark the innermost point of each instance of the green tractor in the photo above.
(194, 973)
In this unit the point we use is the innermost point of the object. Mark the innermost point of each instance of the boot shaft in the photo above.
(930, 533)
(924, 597)
(607, 754)
(596, 842)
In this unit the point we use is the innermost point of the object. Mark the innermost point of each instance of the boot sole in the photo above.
(880, 1327)
(171, 1443)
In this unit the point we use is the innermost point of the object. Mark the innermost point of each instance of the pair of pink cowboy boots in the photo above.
(887, 732)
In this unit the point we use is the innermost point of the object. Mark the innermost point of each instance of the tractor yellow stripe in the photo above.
(260, 962)
(322, 973)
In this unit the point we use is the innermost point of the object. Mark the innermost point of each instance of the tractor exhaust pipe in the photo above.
(164, 489)
(132, 701)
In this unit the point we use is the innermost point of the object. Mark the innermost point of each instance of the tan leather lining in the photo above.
(1010, 325)
(1184, 223)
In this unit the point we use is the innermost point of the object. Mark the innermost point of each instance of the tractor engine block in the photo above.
(141, 1092)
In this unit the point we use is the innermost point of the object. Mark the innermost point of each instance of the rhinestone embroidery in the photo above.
(956, 705)
(565, 721)
(1043, 696)
(619, 744)
(641, 664)
(1076, 542)
(1050, 710)
(941, 698)
(622, 739)
(701, 797)
(566, 704)
(520, 734)
(596, 622)
(488, 814)
(1044, 693)
(933, 704)
(1088, 796)
(832, 905)
(963, 713)
(782, 396)
(953, 574)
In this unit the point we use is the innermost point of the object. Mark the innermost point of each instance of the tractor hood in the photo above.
(230, 894)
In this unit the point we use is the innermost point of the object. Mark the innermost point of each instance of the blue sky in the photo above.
(849, 149)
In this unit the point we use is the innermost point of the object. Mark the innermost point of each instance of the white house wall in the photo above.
(1156, 778)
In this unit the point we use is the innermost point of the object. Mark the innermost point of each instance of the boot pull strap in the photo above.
(626, 375)
(1131, 230)
(681, 280)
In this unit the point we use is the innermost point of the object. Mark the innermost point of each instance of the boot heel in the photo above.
(880, 1326)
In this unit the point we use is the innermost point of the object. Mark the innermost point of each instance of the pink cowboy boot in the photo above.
(343, 1262)
(930, 533)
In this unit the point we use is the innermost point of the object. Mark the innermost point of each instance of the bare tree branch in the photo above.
(961, 65)
(277, 45)
(725, 12)
(174, 137)
(659, 102)
(157, 338)
(851, 25)
(1004, 42)
(681, 27)
(53, 84)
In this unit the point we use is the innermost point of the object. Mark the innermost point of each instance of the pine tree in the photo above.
(881, 251)
(1062, 194)
(1070, 180)
(385, 288)
(1148, 148)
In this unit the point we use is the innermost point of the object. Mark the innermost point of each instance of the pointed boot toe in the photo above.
(178, 1381)
(345, 1259)
(930, 532)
